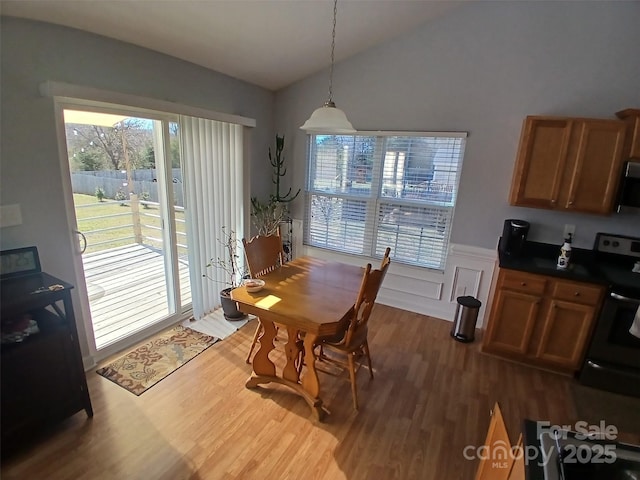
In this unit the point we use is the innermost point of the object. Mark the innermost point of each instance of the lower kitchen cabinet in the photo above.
(512, 324)
(541, 320)
(565, 331)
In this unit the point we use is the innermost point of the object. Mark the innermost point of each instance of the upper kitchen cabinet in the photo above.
(631, 117)
(567, 163)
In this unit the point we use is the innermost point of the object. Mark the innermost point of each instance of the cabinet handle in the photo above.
(577, 294)
(570, 202)
(553, 201)
(524, 284)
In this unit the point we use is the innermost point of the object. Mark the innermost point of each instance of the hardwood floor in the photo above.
(429, 399)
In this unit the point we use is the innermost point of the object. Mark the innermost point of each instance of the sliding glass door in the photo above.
(129, 218)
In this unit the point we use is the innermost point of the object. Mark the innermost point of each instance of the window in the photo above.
(367, 192)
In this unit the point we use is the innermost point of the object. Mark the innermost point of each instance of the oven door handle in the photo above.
(623, 298)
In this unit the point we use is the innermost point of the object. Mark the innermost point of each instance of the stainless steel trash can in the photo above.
(464, 323)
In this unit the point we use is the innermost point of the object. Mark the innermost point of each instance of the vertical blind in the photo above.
(212, 158)
(368, 192)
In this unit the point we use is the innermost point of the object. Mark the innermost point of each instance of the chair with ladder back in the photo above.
(264, 254)
(352, 342)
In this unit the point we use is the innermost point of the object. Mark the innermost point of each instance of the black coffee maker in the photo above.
(514, 234)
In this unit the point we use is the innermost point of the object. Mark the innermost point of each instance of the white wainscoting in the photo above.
(469, 271)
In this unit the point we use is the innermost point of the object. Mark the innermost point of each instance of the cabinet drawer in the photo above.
(577, 292)
(523, 282)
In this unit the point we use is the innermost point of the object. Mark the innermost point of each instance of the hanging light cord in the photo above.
(329, 118)
(333, 47)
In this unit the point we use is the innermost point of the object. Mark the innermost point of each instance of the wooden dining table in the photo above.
(310, 297)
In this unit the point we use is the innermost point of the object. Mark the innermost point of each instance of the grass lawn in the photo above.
(109, 224)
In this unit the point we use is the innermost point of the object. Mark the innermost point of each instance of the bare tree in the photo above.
(110, 142)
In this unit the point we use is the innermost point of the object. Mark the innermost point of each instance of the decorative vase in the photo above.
(229, 307)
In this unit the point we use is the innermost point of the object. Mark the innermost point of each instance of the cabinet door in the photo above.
(540, 163)
(596, 167)
(511, 323)
(564, 336)
(39, 382)
(497, 462)
(518, 468)
(631, 117)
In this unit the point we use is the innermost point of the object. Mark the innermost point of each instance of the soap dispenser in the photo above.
(565, 254)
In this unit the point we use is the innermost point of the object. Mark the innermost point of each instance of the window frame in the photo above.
(375, 200)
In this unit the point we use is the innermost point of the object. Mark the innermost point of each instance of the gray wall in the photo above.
(482, 69)
(32, 53)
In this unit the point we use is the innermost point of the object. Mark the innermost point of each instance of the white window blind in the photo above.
(212, 159)
(368, 192)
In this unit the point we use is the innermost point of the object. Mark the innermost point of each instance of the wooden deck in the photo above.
(127, 290)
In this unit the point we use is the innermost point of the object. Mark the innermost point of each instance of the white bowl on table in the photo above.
(253, 284)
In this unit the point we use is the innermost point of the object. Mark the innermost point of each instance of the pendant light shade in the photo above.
(329, 118)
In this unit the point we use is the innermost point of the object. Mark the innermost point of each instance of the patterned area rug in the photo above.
(140, 369)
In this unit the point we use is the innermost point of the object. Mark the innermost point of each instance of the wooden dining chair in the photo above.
(352, 342)
(263, 254)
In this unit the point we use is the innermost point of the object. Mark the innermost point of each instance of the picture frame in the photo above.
(19, 261)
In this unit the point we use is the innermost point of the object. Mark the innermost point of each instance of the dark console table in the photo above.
(43, 379)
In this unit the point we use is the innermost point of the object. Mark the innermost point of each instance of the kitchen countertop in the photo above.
(541, 258)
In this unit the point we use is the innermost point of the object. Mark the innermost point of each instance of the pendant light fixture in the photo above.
(329, 118)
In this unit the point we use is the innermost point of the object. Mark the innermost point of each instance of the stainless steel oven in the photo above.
(613, 360)
(613, 357)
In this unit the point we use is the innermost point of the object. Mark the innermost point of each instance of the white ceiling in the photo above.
(271, 43)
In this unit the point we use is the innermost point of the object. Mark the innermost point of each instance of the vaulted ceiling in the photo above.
(270, 43)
